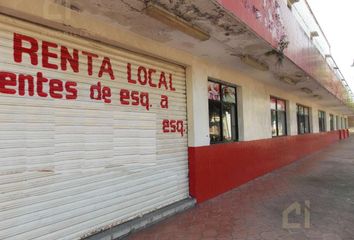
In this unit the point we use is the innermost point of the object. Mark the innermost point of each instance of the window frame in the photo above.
(276, 116)
(298, 119)
(321, 119)
(222, 104)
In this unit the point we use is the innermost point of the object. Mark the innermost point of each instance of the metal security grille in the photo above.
(81, 150)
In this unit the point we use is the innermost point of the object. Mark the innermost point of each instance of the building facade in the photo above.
(114, 109)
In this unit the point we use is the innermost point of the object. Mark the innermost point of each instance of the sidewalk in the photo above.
(320, 186)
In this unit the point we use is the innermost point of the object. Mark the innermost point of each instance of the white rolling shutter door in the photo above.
(70, 167)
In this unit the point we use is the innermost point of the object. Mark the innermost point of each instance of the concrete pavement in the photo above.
(310, 199)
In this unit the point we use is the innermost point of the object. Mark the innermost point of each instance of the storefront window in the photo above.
(278, 116)
(331, 122)
(222, 112)
(303, 119)
(322, 121)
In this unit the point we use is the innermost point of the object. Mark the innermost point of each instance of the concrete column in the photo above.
(314, 120)
(197, 106)
(328, 121)
(336, 122)
(351, 123)
(292, 118)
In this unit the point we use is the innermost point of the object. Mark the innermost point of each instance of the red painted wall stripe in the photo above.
(216, 169)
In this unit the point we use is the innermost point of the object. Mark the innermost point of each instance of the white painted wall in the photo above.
(255, 105)
(328, 122)
(292, 118)
(314, 120)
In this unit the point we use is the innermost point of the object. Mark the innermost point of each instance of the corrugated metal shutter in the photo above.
(71, 167)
